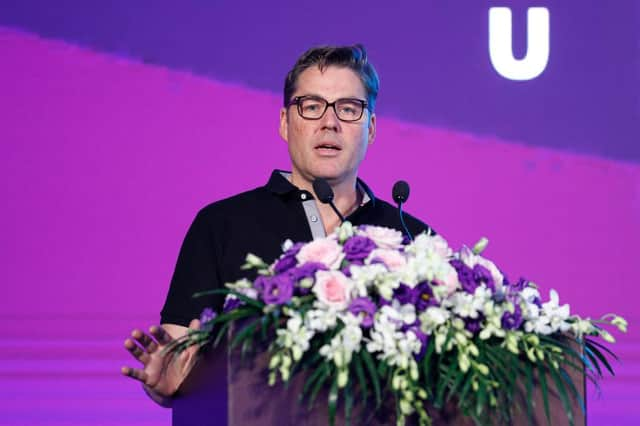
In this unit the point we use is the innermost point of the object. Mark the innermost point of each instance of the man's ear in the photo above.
(372, 128)
(284, 134)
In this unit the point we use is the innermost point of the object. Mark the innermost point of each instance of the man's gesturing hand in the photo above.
(160, 373)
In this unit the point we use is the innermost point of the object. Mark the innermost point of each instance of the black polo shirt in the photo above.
(258, 222)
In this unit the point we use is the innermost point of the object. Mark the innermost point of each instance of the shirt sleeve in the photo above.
(197, 270)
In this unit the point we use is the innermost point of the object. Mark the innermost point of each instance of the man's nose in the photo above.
(330, 120)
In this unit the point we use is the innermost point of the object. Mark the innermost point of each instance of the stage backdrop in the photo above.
(120, 120)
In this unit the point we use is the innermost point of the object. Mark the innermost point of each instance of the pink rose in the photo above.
(392, 259)
(323, 250)
(383, 237)
(447, 276)
(333, 289)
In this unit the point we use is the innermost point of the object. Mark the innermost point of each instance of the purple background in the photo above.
(117, 123)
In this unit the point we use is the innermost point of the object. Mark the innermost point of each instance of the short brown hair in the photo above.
(352, 57)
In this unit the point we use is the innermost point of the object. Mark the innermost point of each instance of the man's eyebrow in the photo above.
(322, 97)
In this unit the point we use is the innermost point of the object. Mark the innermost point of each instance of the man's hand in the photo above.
(161, 374)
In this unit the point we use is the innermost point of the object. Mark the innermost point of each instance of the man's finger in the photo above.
(144, 340)
(134, 373)
(137, 351)
(160, 335)
(194, 324)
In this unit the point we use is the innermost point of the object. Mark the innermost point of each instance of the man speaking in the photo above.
(328, 122)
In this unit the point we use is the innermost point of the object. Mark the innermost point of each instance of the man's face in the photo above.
(327, 148)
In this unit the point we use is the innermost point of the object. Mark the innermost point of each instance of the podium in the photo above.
(223, 388)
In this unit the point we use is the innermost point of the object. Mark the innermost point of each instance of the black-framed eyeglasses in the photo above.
(314, 107)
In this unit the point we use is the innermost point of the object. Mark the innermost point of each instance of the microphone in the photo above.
(325, 194)
(400, 194)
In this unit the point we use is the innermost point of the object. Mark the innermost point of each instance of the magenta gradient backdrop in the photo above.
(105, 162)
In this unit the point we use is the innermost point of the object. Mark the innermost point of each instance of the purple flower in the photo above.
(424, 296)
(278, 290)
(364, 308)
(473, 324)
(231, 303)
(465, 275)
(519, 286)
(207, 315)
(288, 259)
(512, 321)
(260, 283)
(415, 328)
(306, 270)
(357, 248)
(481, 275)
(405, 294)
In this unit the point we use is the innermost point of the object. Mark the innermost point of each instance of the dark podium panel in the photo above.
(230, 390)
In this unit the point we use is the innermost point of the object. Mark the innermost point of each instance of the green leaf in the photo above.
(426, 362)
(242, 335)
(362, 381)
(564, 398)
(348, 403)
(463, 402)
(529, 387)
(333, 401)
(545, 391)
(603, 347)
(312, 378)
(236, 314)
(264, 326)
(248, 300)
(222, 332)
(577, 395)
(443, 382)
(593, 358)
(326, 372)
(373, 374)
(457, 382)
(589, 346)
(481, 400)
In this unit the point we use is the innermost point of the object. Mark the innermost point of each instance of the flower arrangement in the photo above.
(365, 312)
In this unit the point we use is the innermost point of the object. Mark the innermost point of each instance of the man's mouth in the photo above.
(328, 146)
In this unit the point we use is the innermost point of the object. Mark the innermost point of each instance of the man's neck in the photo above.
(345, 197)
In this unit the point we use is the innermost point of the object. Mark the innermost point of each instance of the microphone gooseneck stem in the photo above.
(335, 209)
(404, 225)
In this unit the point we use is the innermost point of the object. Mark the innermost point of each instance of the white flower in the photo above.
(295, 337)
(550, 318)
(345, 231)
(342, 346)
(383, 237)
(394, 346)
(467, 305)
(365, 276)
(287, 245)
(581, 327)
(321, 319)
(432, 317)
(557, 314)
(243, 286)
(400, 313)
(432, 244)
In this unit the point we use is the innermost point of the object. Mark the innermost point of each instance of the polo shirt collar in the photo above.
(280, 185)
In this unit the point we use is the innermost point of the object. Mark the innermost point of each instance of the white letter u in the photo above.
(501, 48)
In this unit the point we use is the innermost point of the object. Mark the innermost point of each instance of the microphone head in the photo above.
(323, 190)
(400, 192)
